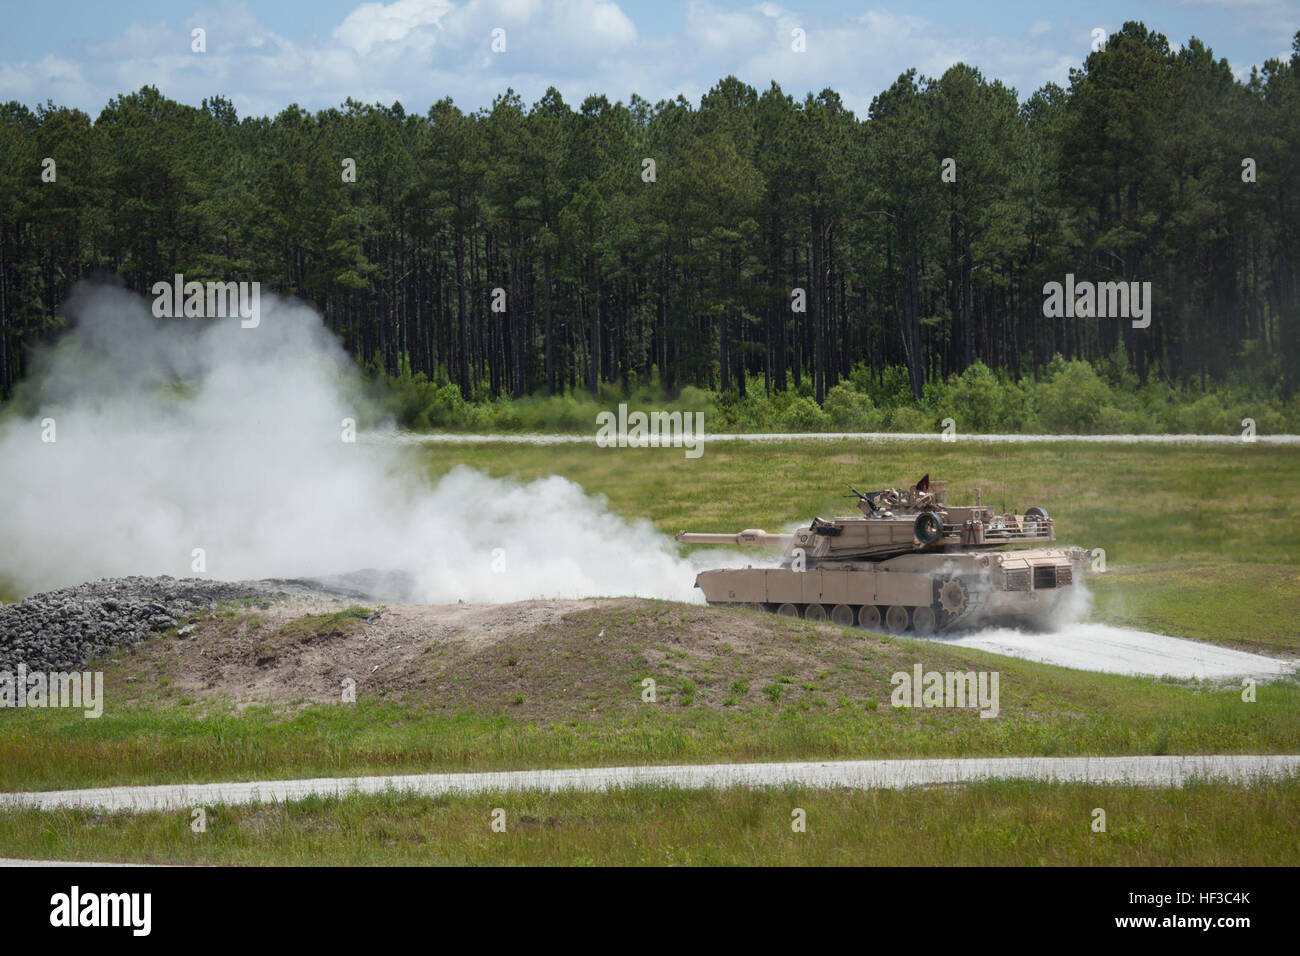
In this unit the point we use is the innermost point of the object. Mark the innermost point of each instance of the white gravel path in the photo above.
(533, 438)
(1120, 650)
(10, 861)
(855, 774)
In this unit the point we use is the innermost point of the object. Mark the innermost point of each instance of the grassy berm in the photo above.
(553, 684)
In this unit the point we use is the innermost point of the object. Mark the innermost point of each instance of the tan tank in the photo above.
(908, 561)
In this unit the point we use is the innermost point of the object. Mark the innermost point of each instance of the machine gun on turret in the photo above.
(864, 497)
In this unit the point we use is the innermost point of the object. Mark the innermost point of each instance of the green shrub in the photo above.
(892, 389)
(851, 410)
(1072, 400)
(1072, 397)
(1205, 416)
(694, 399)
(909, 419)
(1116, 421)
(803, 415)
(935, 395)
(975, 400)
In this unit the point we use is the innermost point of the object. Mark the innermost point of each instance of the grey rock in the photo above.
(61, 630)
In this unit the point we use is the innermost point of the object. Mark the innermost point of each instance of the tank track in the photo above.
(963, 603)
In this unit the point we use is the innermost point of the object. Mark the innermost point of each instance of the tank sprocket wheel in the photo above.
(953, 596)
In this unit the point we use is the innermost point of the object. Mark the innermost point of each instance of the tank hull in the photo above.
(935, 592)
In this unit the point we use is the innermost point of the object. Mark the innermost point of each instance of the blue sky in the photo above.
(266, 55)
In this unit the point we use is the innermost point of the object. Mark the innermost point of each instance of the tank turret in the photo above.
(907, 561)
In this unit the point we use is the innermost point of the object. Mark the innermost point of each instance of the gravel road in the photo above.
(589, 438)
(854, 774)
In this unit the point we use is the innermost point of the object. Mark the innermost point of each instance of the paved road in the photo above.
(855, 774)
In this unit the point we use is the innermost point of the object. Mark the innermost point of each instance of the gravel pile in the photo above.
(61, 630)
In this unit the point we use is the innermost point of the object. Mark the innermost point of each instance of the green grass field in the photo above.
(1199, 542)
(1144, 504)
(1011, 823)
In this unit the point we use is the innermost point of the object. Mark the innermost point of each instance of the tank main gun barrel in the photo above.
(751, 537)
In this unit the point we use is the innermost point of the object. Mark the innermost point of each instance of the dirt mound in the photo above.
(532, 659)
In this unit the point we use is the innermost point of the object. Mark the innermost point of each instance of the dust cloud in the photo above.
(172, 435)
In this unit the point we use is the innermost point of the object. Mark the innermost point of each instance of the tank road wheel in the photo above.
(788, 610)
(842, 615)
(896, 619)
(923, 620)
(815, 612)
(869, 617)
(953, 597)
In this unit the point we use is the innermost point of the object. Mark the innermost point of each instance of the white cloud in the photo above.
(49, 78)
(373, 24)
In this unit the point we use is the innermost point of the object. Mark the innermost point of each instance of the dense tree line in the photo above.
(685, 277)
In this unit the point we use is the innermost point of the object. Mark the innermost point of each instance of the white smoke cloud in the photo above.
(176, 434)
